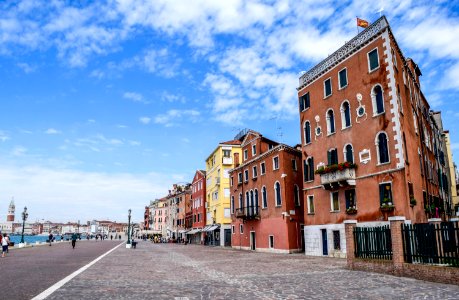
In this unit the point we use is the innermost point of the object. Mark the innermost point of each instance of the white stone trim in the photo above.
(397, 218)
(394, 109)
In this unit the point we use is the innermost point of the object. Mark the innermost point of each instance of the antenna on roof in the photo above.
(380, 11)
(279, 132)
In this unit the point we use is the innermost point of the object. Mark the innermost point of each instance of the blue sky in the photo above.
(105, 104)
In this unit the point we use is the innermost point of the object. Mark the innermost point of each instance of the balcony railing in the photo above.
(248, 213)
(338, 178)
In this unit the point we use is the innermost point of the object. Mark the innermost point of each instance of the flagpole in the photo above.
(357, 24)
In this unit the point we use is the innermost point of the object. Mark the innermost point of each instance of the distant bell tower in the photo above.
(10, 215)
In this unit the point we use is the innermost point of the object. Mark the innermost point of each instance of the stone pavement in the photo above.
(27, 272)
(170, 271)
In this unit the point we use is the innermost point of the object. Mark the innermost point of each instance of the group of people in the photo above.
(5, 240)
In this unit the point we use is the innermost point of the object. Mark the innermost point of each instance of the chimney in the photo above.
(236, 159)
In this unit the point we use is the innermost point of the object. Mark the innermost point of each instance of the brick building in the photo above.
(198, 209)
(371, 147)
(146, 218)
(178, 202)
(266, 200)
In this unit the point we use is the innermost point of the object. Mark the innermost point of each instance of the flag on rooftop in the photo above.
(362, 23)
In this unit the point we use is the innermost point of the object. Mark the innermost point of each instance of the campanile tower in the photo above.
(10, 215)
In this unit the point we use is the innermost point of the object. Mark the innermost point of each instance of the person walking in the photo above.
(5, 242)
(50, 238)
(74, 238)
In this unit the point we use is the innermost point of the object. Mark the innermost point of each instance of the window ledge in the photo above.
(311, 214)
(328, 96)
(375, 69)
(335, 211)
(348, 127)
(342, 88)
(330, 134)
(307, 144)
(307, 108)
(383, 164)
(380, 114)
(309, 181)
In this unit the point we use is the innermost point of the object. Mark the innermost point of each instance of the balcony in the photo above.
(248, 213)
(336, 176)
(227, 160)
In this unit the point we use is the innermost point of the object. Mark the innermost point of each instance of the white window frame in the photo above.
(246, 175)
(304, 132)
(275, 194)
(263, 206)
(246, 154)
(378, 163)
(331, 88)
(332, 209)
(339, 79)
(274, 163)
(262, 170)
(327, 119)
(368, 60)
(373, 100)
(311, 198)
(343, 115)
(254, 172)
(254, 149)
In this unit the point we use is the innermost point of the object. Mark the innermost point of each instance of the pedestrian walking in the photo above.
(74, 238)
(5, 242)
(111, 237)
(50, 238)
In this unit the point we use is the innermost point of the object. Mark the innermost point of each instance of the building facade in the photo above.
(370, 145)
(218, 216)
(198, 209)
(266, 199)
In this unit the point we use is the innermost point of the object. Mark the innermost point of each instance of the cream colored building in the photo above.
(452, 175)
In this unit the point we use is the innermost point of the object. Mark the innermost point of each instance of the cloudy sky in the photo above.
(105, 104)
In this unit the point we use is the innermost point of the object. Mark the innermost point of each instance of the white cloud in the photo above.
(4, 136)
(96, 143)
(57, 194)
(145, 120)
(52, 131)
(26, 67)
(134, 143)
(174, 117)
(135, 97)
(18, 151)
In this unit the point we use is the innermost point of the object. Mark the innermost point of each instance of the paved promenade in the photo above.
(169, 271)
(26, 272)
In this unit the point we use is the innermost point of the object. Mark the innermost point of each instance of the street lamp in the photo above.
(129, 227)
(25, 214)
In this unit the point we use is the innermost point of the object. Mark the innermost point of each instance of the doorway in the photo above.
(324, 242)
(252, 241)
(227, 237)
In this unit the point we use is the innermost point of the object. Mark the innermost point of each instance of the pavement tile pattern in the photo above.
(182, 272)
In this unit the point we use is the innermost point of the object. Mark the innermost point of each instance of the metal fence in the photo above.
(431, 243)
(373, 242)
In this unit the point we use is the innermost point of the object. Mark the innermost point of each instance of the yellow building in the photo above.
(452, 175)
(218, 211)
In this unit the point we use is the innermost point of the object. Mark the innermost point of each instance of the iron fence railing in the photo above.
(373, 242)
(431, 243)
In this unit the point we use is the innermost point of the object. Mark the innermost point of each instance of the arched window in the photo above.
(377, 100)
(264, 197)
(382, 148)
(330, 122)
(332, 157)
(277, 192)
(308, 169)
(345, 115)
(296, 195)
(256, 202)
(307, 132)
(349, 153)
(252, 202)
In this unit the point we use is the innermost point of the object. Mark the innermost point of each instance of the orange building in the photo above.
(266, 200)
(371, 147)
(197, 220)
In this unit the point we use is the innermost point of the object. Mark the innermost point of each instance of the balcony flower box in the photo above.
(351, 210)
(334, 176)
(387, 207)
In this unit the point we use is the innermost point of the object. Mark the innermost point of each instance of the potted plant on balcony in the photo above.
(352, 210)
(335, 167)
(387, 205)
(413, 201)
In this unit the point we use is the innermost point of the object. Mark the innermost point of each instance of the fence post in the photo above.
(397, 243)
(349, 226)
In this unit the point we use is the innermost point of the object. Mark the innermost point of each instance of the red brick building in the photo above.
(198, 207)
(146, 218)
(183, 203)
(370, 145)
(266, 199)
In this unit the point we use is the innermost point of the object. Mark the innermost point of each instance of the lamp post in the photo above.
(25, 214)
(129, 229)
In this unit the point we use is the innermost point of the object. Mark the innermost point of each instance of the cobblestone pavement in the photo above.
(170, 271)
(27, 272)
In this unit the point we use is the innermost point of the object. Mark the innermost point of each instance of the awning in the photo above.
(193, 231)
(211, 228)
(182, 231)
